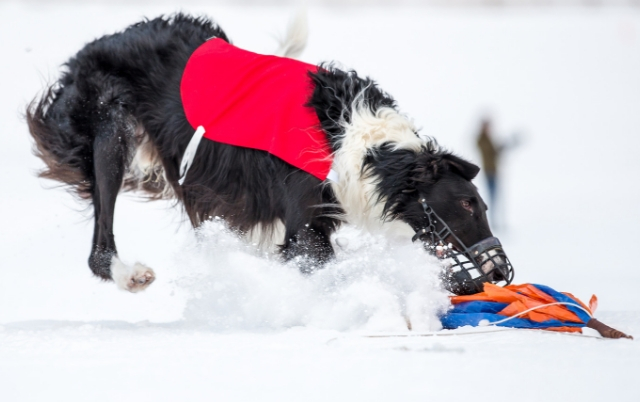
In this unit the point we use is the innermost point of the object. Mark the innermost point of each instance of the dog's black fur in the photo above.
(124, 89)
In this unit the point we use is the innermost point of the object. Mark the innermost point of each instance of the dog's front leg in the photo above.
(109, 150)
(309, 245)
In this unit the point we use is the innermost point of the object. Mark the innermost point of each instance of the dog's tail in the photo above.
(63, 152)
(295, 39)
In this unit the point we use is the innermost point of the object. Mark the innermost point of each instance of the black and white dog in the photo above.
(115, 121)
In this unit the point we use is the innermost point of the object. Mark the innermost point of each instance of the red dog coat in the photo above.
(255, 101)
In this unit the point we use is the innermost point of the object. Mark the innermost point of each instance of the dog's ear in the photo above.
(427, 168)
(458, 165)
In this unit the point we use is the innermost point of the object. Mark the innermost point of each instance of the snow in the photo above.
(223, 322)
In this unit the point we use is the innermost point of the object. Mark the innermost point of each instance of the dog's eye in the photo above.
(466, 205)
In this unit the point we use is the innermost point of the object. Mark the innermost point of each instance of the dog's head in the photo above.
(432, 192)
(444, 181)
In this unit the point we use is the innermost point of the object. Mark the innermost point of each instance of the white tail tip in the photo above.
(295, 39)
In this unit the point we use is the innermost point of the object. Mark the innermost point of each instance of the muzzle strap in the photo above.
(466, 270)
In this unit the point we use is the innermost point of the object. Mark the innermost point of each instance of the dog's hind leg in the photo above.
(110, 157)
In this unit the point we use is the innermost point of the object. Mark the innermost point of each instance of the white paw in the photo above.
(133, 279)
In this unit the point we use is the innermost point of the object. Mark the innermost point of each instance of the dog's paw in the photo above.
(141, 278)
(133, 279)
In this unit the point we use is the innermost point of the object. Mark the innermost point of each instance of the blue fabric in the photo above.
(455, 320)
(479, 307)
(471, 313)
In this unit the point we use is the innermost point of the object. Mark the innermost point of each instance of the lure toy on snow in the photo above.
(526, 306)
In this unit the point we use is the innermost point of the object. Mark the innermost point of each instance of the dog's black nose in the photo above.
(498, 274)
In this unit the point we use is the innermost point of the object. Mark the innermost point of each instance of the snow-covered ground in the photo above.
(221, 323)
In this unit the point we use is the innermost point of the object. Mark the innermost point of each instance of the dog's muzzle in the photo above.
(465, 270)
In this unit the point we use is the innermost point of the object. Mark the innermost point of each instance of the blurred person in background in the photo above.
(491, 153)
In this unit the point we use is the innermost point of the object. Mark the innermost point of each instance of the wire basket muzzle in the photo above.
(466, 271)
